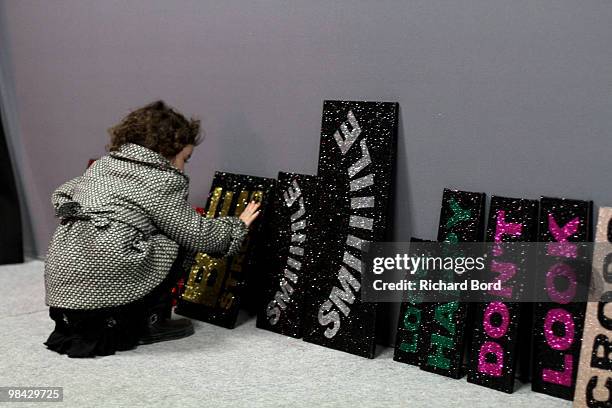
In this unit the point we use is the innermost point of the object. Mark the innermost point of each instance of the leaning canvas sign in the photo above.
(594, 378)
(216, 287)
(356, 162)
(292, 244)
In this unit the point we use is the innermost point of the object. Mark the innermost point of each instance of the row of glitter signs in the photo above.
(300, 269)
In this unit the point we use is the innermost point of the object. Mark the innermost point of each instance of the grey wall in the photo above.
(507, 97)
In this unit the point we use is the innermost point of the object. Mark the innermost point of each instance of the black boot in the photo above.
(160, 328)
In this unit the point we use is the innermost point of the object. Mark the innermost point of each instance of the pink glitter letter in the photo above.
(506, 271)
(496, 331)
(562, 247)
(504, 228)
(560, 377)
(561, 316)
(493, 369)
(561, 269)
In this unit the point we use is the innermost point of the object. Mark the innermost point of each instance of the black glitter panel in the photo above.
(216, 287)
(292, 249)
(356, 163)
(462, 216)
(444, 334)
(558, 325)
(409, 326)
(499, 325)
(594, 379)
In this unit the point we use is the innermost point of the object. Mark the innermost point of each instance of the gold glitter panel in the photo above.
(215, 288)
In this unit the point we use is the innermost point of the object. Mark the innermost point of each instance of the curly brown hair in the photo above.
(157, 127)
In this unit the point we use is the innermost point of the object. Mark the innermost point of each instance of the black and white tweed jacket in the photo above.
(122, 222)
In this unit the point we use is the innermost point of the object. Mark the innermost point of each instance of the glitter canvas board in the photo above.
(356, 164)
(216, 287)
(493, 351)
(558, 325)
(462, 219)
(292, 244)
(411, 321)
(594, 380)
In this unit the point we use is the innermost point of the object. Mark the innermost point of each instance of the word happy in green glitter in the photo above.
(445, 312)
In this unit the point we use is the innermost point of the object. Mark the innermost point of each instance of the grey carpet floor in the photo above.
(216, 367)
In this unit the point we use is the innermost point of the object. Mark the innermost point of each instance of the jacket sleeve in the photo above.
(63, 194)
(174, 217)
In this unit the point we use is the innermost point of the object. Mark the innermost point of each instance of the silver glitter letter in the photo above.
(357, 221)
(301, 211)
(295, 250)
(298, 225)
(355, 242)
(349, 136)
(273, 313)
(283, 295)
(333, 317)
(291, 276)
(299, 238)
(292, 194)
(362, 202)
(361, 163)
(293, 263)
(362, 182)
(352, 261)
(339, 296)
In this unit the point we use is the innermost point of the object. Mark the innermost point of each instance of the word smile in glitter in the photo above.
(341, 297)
(292, 196)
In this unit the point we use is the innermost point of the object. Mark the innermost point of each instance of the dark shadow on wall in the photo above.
(11, 237)
(12, 146)
(400, 226)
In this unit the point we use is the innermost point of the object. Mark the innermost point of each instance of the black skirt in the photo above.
(102, 332)
(98, 332)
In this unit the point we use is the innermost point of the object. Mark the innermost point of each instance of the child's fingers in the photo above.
(251, 212)
(251, 206)
(254, 215)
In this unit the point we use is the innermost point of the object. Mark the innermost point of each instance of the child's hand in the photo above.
(250, 213)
